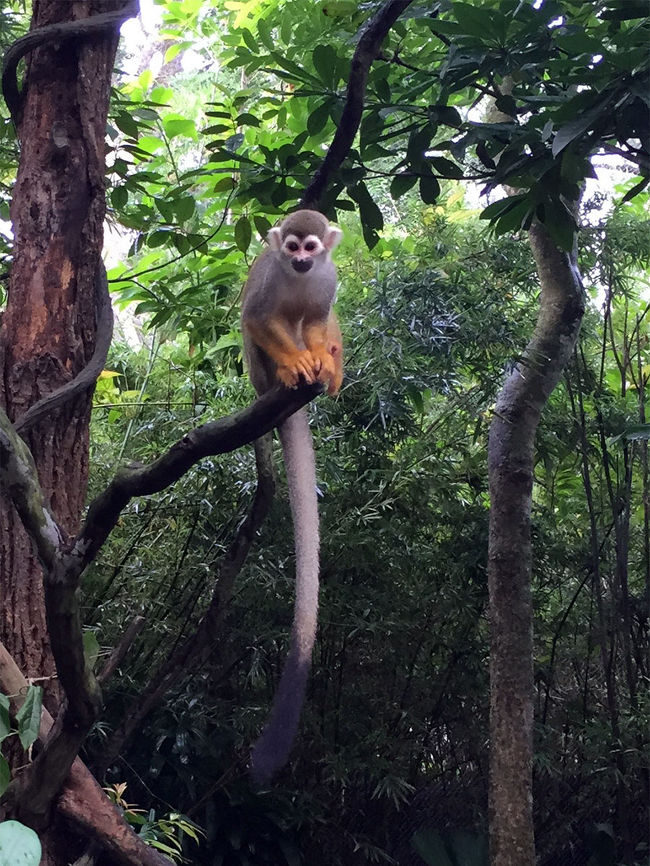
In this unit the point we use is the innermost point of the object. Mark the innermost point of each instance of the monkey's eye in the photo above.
(292, 246)
(310, 246)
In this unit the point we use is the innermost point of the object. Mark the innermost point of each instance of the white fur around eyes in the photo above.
(309, 239)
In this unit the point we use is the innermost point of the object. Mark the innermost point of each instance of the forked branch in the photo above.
(367, 50)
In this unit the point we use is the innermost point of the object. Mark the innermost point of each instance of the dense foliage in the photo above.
(397, 706)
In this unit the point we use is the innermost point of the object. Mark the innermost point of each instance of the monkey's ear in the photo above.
(274, 237)
(332, 237)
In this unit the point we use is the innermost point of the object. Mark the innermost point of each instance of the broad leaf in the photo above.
(29, 716)
(19, 845)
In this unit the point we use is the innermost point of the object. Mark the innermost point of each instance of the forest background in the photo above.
(220, 116)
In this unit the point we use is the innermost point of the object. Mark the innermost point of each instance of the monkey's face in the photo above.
(303, 254)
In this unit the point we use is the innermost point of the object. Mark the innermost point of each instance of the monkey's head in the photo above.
(303, 240)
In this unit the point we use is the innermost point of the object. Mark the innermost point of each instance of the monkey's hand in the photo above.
(292, 366)
(328, 369)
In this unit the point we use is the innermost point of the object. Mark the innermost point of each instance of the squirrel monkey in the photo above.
(290, 332)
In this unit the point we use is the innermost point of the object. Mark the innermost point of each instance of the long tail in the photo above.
(272, 749)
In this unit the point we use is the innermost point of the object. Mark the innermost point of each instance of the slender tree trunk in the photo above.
(510, 458)
(48, 329)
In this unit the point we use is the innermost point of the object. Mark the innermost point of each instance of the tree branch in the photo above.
(60, 31)
(366, 52)
(216, 437)
(19, 478)
(115, 660)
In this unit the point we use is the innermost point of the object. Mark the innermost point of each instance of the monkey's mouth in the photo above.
(301, 265)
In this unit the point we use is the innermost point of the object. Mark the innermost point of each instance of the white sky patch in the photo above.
(139, 32)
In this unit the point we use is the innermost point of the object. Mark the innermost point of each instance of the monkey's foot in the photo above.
(302, 363)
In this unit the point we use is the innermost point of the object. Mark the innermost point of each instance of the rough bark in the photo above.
(510, 459)
(48, 329)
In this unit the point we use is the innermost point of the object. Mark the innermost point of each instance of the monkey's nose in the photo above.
(301, 265)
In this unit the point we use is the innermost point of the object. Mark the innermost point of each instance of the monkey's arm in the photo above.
(275, 338)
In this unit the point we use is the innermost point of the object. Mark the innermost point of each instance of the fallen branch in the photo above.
(82, 800)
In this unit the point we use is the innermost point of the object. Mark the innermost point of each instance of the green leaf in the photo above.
(292, 68)
(340, 8)
(247, 119)
(227, 341)
(171, 52)
(418, 141)
(497, 208)
(174, 126)
(157, 238)
(5, 720)
(184, 208)
(577, 127)
(19, 845)
(127, 124)
(318, 118)
(91, 649)
(560, 224)
(262, 225)
(446, 168)
(626, 11)
(480, 21)
(429, 189)
(372, 218)
(119, 197)
(29, 717)
(226, 184)
(5, 774)
(401, 184)
(324, 59)
(243, 233)
(264, 33)
(166, 208)
(248, 38)
(514, 218)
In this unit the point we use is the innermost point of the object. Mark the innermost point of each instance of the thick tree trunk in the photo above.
(48, 329)
(511, 455)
